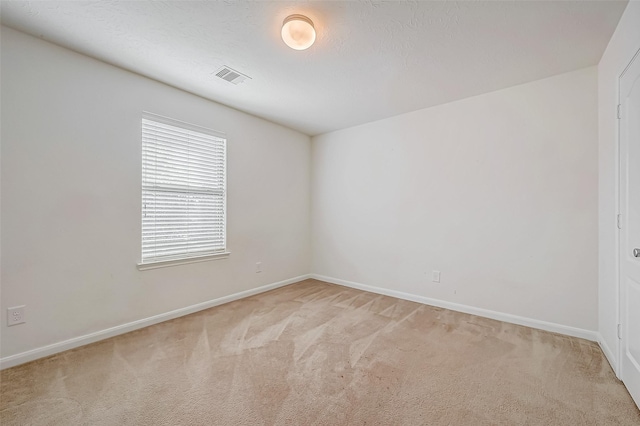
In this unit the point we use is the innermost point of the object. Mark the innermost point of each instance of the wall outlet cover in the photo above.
(15, 315)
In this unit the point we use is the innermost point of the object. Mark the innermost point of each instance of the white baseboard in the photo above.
(500, 316)
(75, 342)
(608, 353)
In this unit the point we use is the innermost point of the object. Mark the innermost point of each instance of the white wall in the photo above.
(71, 197)
(498, 192)
(622, 46)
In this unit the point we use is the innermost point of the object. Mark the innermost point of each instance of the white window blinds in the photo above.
(183, 190)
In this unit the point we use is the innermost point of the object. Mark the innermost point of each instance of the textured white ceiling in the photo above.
(371, 60)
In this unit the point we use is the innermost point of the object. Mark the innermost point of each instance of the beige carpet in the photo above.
(319, 354)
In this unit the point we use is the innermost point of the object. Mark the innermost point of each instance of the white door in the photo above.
(630, 221)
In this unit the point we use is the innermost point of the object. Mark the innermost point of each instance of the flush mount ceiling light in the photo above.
(298, 32)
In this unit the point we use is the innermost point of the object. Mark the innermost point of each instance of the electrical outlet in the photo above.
(435, 276)
(258, 267)
(15, 315)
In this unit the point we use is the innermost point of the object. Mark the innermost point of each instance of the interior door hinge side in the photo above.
(619, 331)
(619, 221)
(619, 113)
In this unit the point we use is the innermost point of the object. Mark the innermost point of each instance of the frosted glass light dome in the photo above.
(298, 32)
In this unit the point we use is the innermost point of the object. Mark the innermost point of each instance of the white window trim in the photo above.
(155, 264)
(182, 261)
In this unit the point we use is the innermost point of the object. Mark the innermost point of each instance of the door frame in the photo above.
(618, 288)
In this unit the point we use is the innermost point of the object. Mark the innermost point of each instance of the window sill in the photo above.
(174, 262)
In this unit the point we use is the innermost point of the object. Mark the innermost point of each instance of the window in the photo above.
(183, 192)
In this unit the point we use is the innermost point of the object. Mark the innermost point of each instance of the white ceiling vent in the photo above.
(231, 75)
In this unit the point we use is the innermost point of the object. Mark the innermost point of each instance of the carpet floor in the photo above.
(314, 353)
